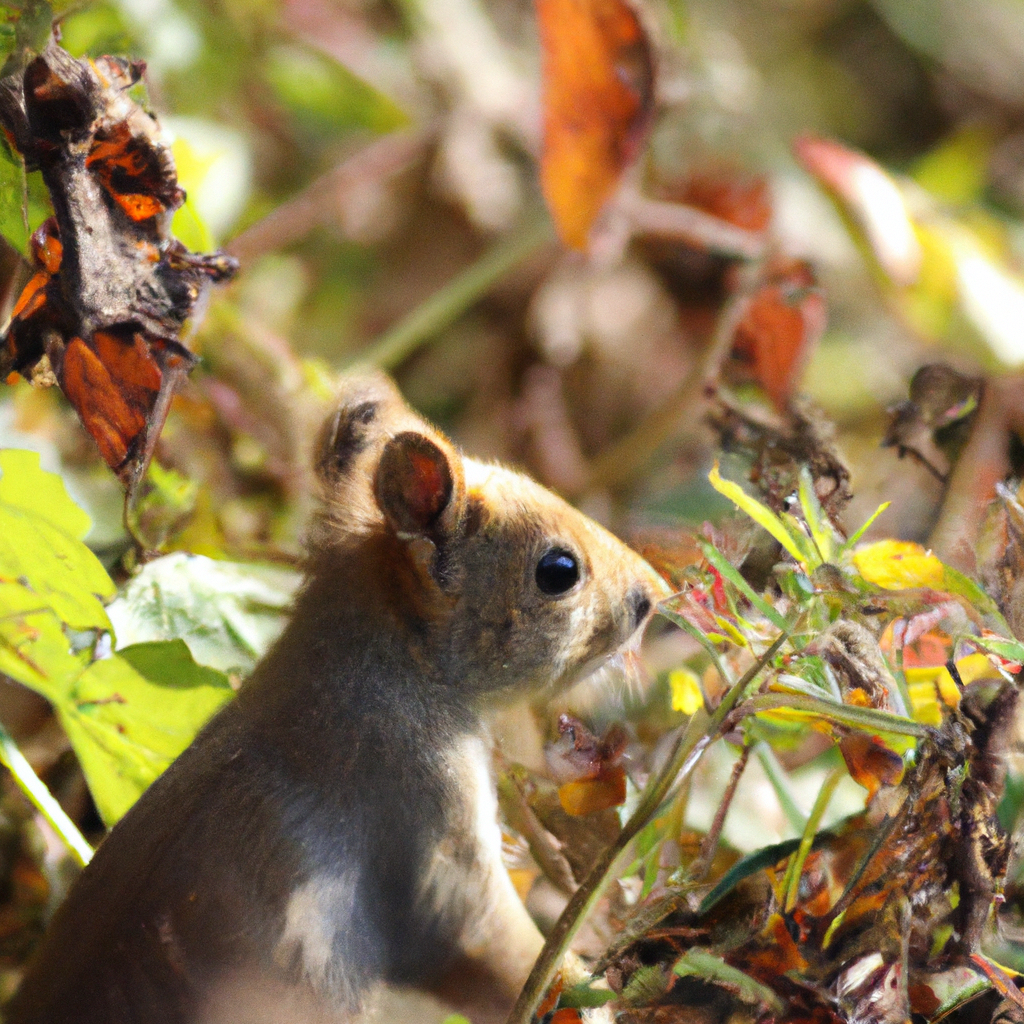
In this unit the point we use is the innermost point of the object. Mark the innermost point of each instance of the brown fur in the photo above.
(334, 827)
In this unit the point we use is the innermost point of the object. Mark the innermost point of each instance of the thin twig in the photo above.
(318, 203)
(791, 883)
(35, 789)
(688, 224)
(450, 302)
(689, 747)
(628, 457)
(710, 844)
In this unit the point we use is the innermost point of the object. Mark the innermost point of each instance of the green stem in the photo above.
(780, 783)
(450, 302)
(691, 744)
(791, 883)
(865, 719)
(35, 789)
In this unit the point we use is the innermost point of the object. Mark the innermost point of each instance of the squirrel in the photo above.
(334, 827)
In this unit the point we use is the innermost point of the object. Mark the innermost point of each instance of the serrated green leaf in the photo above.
(228, 613)
(130, 715)
(698, 963)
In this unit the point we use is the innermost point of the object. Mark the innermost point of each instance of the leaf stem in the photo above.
(453, 299)
(791, 883)
(35, 789)
(691, 744)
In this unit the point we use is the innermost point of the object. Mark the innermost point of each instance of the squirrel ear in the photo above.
(369, 408)
(419, 486)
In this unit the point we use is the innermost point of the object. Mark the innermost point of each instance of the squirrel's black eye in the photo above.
(557, 571)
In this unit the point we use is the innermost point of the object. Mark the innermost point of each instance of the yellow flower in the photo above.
(686, 692)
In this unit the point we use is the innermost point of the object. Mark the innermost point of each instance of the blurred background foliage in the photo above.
(373, 164)
(359, 157)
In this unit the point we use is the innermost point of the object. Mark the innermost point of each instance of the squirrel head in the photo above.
(506, 588)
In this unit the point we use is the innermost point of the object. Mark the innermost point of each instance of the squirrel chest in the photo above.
(335, 826)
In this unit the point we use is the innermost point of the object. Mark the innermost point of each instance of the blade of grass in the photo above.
(777, 777)
(450, 302)
(814, 516)
(35, 789)
(791, 883)
(761, 514)
(865, 719)
(750, 865)
(864, 527)
(729, 571)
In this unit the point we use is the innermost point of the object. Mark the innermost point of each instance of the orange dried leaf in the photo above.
(107, 415)
(597, 96)
(782, 323)
(871, 764)
(587, 796)
(743, 201)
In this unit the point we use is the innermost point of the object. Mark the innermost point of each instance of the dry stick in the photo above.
(627, 457)
(317, 203)
(707, 848)
(35, 789)
(689, 747)
(688, 224)
(450, 302)
(984, 461)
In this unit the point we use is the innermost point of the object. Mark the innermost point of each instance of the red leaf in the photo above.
(778, 329)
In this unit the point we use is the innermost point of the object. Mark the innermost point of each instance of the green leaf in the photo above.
(326, 96)
(866, 719)
(130, 715)
(1011, 650)
(817, 521)
(228, 613)
(34, 649)
(582, 996)
(25, 486)
(698, 963)
(761, 514)
(13, 199)
(725, 567)
(750, 865)
(33, 25)
(40, 544)
(865, 526)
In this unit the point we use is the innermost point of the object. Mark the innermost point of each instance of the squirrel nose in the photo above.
(639, 603)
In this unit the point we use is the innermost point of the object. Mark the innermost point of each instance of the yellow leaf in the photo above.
(686, 692)
(899, 565)
(927, 685)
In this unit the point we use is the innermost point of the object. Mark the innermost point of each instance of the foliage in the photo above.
(129, 714)
(380, 169)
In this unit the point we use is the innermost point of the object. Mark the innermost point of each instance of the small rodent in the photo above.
(334, 826)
